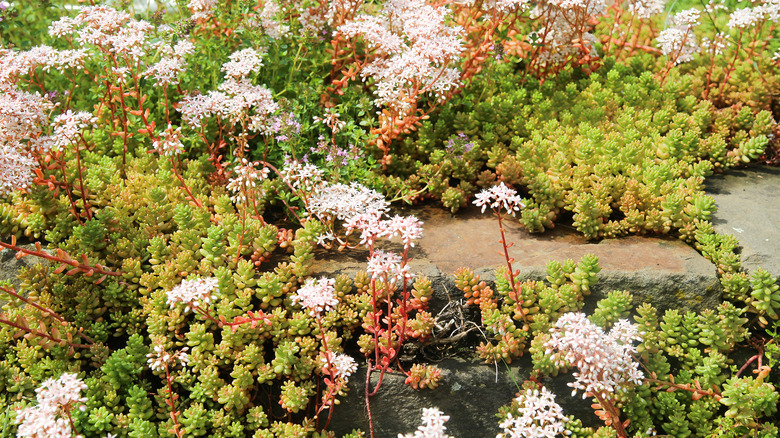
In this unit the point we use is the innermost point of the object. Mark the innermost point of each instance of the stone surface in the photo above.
(470, 392)
(661, 270)
(749, 209)
(10, 266)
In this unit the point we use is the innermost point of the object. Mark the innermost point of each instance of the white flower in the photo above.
(55, 397)
(343, 201)
(193, 293)
(678, 43)
(498, 197)
(604, 361)
(539, 416)
(245, 177)
(159, 358)
(343, 365)
(408, 228)
(388, 265)
(16, 169)
(433, 425)
(317, 295)
(242, 63)
(742, 18)
(169, 143)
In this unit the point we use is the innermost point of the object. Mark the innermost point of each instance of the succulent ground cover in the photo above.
(178, 164)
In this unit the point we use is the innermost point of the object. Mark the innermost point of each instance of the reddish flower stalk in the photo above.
(172, 396)
(500, 198)
(63, 258)
(12, 292)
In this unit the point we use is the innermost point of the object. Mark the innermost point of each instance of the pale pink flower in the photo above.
(245, 177)
(159, 358)
(316, 295)
(202, 9)
(50, 418)
(742, 18)
(499, 197)
(343, 365)
(688, 17)
(68, 127)
(303, 177)
(539, 416)
(268, 19)
(415, 48)
(408, 228)
(16, 169)
(678, 43)
(242, 63)
(167, 70)
(195, 293)
(169, 142)
(604, 362)
(62, 27)
(22, 115)
(388, 265)
(433, 425)
(370, 225)
(343, 201)
(331, 120)
(646, 8)
(183, 48)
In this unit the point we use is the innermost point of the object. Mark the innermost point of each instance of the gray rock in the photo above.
(749, 209)
(471, 393)
(10, 266)
(662, 271)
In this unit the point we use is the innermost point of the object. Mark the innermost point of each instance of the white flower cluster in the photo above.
(169, 143)
(317, 295)
(159, 358)
(742, 18)
(245, 177)
(268, 20)
(113, 31)
(414, 48)
(49, 419)
(499, 197)
(678, 43)
(193, 293)
(202, 9)
(565, 34)
(68, 127)
(539, 416)
(22, 118)
(243, 63)
(645, 9)
(372, 226)
(433, 425)
(343, 365)
(604, 361)
(303, 177)
(167, 70)
(237, 98)
(343, 201)
(16, 170)
(388, 265)
(44, 57)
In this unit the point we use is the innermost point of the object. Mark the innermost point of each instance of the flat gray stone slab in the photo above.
(749, 209)
(661, 270)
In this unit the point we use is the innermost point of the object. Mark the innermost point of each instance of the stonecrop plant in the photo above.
(178, 165)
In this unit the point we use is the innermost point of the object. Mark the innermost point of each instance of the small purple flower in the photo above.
(4, 5)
